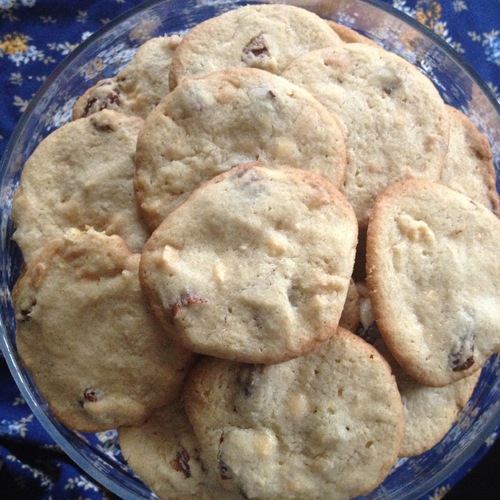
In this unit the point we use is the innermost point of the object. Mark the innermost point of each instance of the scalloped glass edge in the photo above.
(407, 38)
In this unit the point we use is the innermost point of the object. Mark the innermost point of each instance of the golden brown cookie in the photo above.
(349, 35)
(325, 425)
(433, 277)
(429, 411)
(138, 87)
(254, 266)
(165, 453)
(85, 333)
(210, 124)
(267, 37)
(469, 163)
(81, 175)
(395, 122)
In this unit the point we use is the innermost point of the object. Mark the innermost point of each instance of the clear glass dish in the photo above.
(107, 51)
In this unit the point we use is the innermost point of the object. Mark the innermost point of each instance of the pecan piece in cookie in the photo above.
(105, 95)
(181, 463)
(255, 49)
(186, 300)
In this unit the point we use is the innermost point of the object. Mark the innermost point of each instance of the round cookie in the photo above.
(81, 175)
(396, 124)
(429, 411)
(469, 164)
(138, 87)
(325, 425)
(267, 37)
(164, 452)
(254, 266)
(207, 125)
(85, 333)
(432, 275)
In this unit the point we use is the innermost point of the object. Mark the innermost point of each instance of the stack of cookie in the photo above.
(196, 242)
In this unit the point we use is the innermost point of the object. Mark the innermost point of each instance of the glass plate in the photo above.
(103, 55)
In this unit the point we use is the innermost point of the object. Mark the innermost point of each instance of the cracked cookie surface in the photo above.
(469, 164)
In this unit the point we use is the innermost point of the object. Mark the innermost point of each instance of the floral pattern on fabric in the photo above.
(35, 36)
(479, 45)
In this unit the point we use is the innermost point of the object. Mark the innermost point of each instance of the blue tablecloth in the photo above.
(35, 36)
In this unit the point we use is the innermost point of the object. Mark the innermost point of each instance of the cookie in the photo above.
(433, 277)
(348, 35)
(469, 163)
(138, 87)
(85, 333)
(267, 37)
(164, 452)
(396, 124)
(209, 124)
(325, 425)
(429, 411)
(254, 266)
(81, 175)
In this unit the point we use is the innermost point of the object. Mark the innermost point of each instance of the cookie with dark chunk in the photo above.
(165, 453)
(396, 123)
(433, 275)
(81, 175)
(84, 331)
(138, 87)
(210, 124)
(429, 411)
(325, 425)
(254, 266)
(267, 37)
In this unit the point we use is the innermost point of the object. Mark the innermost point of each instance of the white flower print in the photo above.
(16, 427)
(459, 5)
(16, 78)
(20, 103)
(80, 482)
(31, 54)
(63, 47)
(19, 400)
(6, 4)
